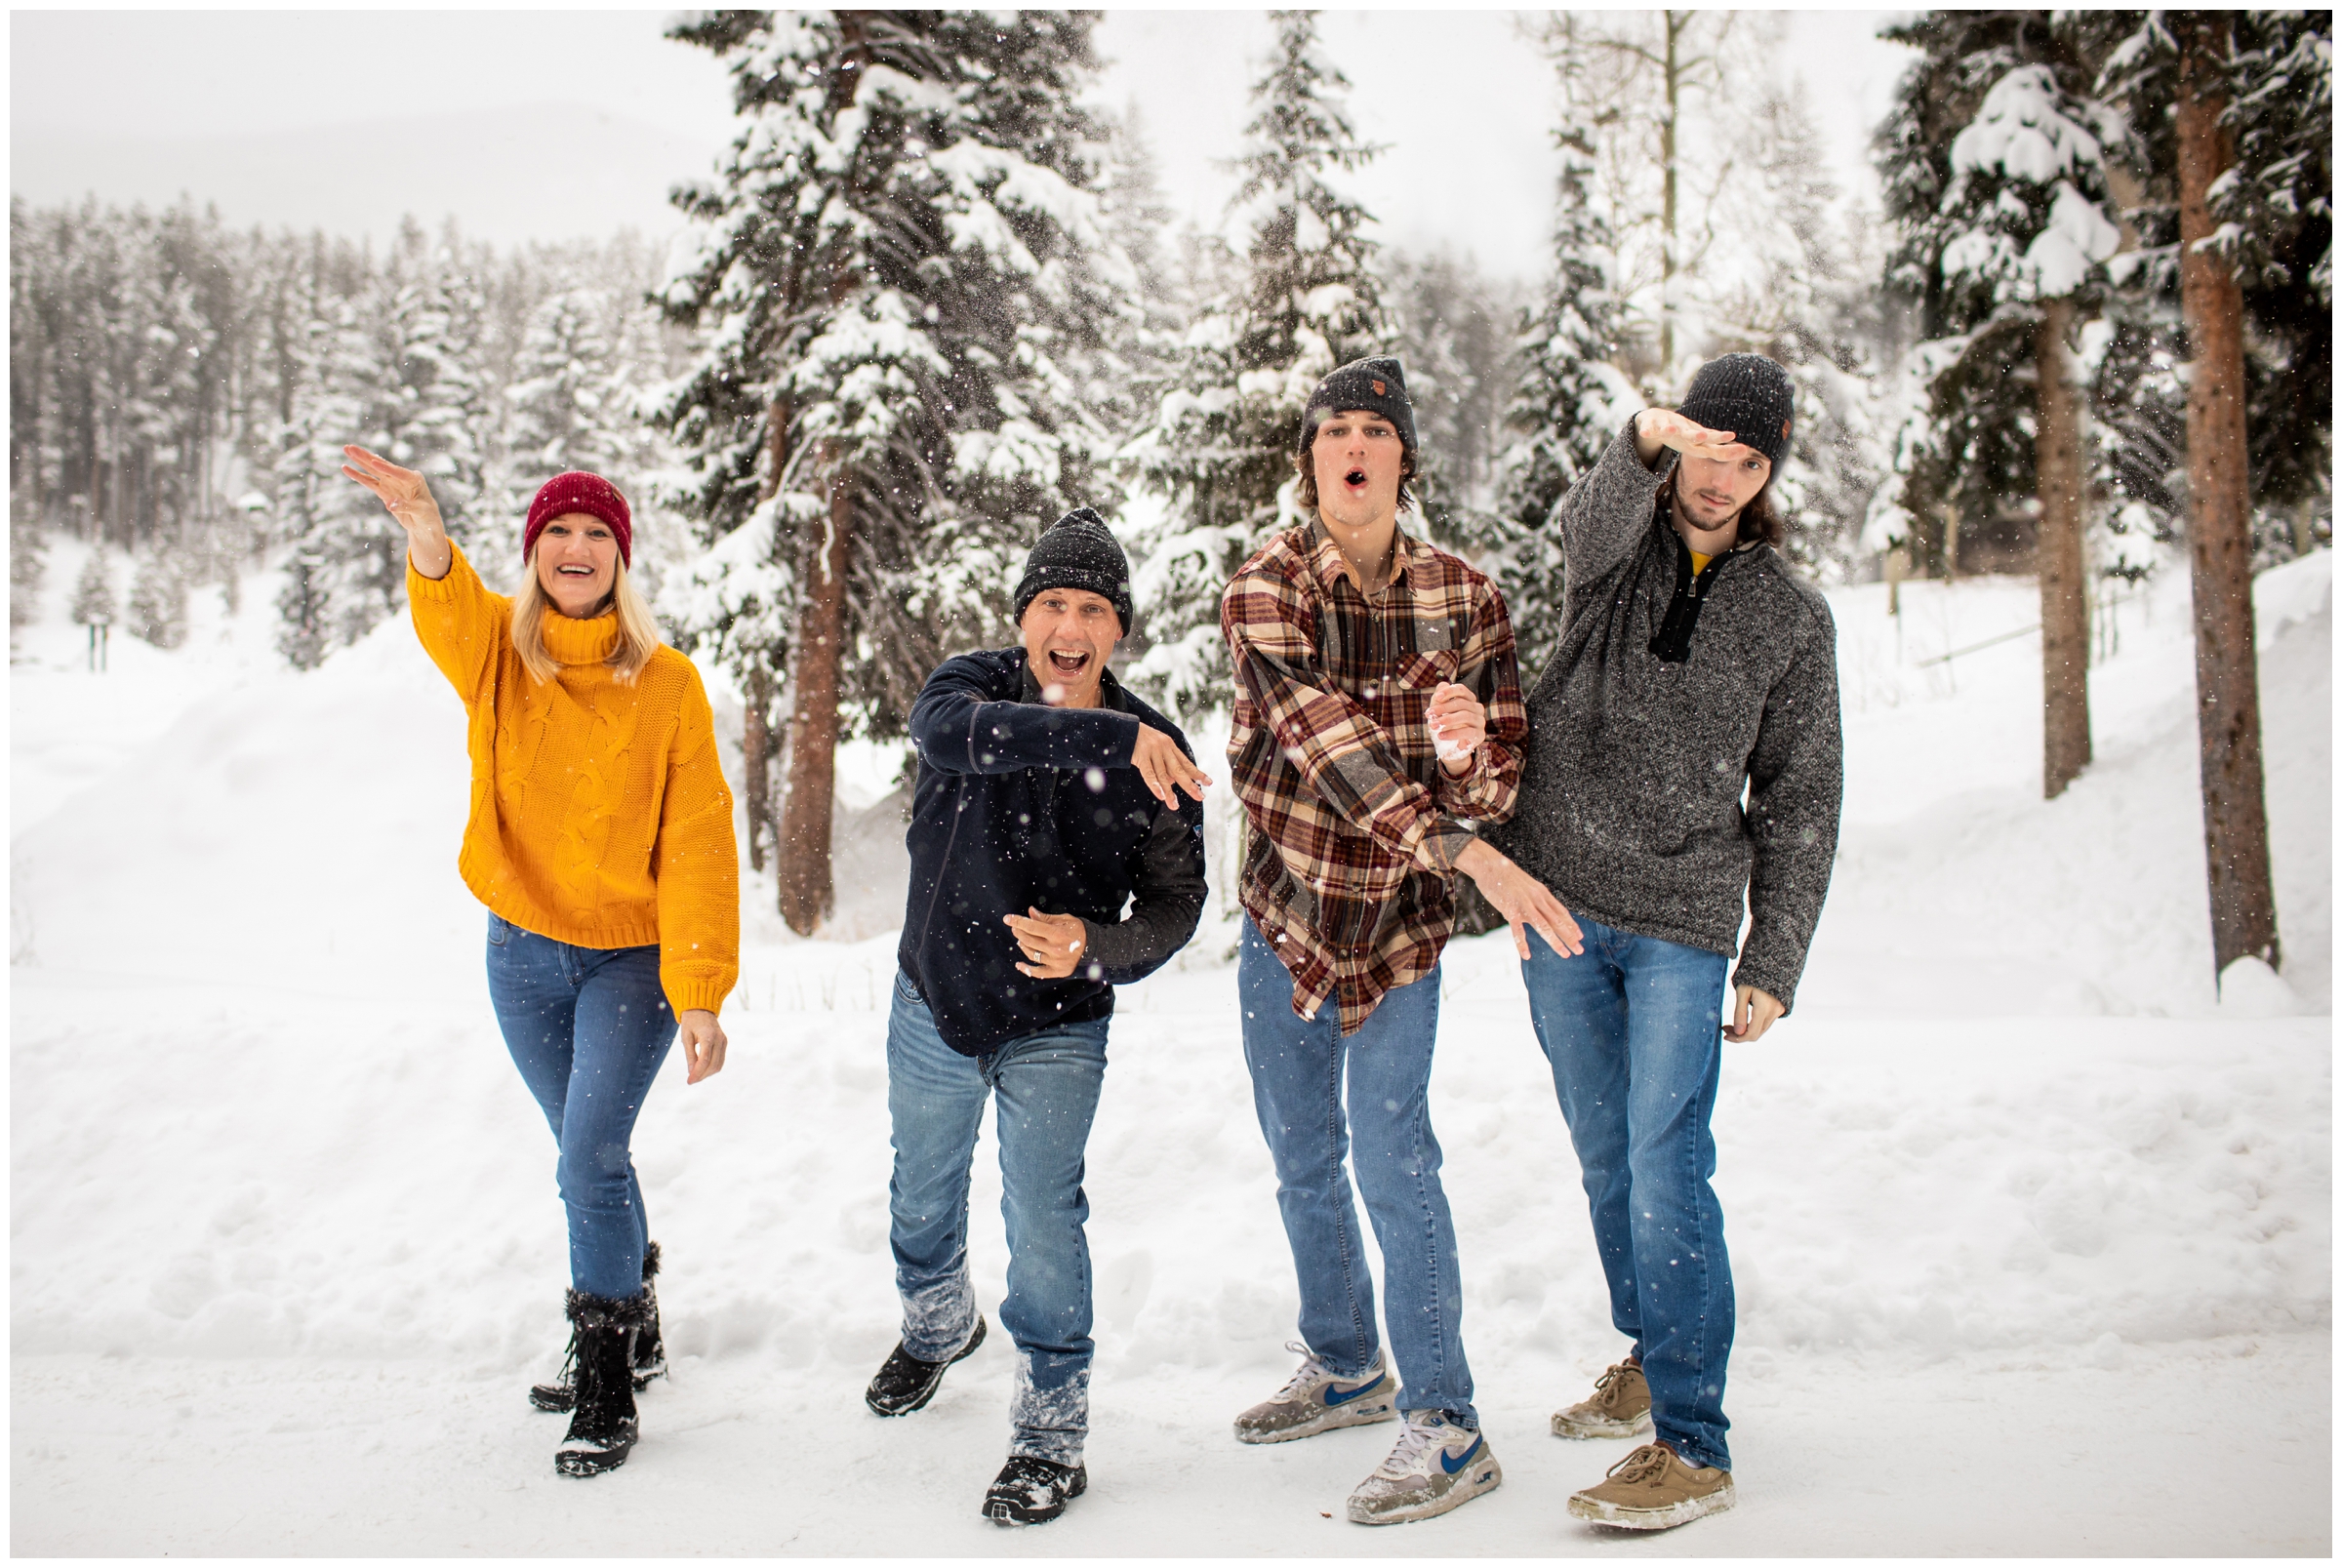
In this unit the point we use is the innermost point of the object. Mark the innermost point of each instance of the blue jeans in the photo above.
(1298, 1067)
(1047, 1087)
(588, 1028)
(1634, 1028)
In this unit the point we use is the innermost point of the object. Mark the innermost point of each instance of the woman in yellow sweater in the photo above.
(601, 842)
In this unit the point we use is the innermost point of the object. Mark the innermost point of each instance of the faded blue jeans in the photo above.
(1633, 1028)
(1046, 1085)
(588, 1028)
(1299, 1067)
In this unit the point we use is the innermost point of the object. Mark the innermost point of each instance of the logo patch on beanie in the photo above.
(1784, 429)
(1380, 391)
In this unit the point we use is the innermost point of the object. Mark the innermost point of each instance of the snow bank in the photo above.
(260, 1109)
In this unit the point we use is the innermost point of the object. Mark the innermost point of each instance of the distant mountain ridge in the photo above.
(546, 172)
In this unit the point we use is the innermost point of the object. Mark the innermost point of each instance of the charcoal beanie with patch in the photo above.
(1079, 552)
(1746, 395)
(1376, 385)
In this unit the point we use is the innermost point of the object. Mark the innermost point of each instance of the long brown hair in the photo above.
(1759, 519)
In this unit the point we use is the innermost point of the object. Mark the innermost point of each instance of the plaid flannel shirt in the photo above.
(1354, 824)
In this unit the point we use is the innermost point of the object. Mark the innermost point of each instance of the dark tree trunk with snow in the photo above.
(2057, 555)
(806, 892)
(755, 752)
(2228, 707)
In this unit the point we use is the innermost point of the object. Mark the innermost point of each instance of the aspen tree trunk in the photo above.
(2057, 555)
(2228, 698)
(807, 895)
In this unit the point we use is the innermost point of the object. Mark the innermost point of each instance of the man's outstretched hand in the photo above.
(1167, 769)
(1523, 900)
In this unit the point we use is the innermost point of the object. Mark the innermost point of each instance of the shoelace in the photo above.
(1413, 1438)
(1610, 1387)
(1648, 1463)
(1310, 1370)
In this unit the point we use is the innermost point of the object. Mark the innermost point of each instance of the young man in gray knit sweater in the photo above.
(1694, 665)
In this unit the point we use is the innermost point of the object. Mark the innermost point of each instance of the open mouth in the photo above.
(1069, 664)
(1355, 479)
(575, 570)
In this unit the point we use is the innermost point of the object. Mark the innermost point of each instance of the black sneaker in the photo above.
(905, 1382)
(1034, 1491)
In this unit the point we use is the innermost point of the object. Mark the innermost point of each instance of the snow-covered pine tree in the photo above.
(1453, 326)
(1807, 297)
(396, 370)
(1220, 446)
(27, 568)
(1995, 163)
(158, 597)
(2247, 172)
(94, 592)
(1570, 399)
(563, 411)
(2275, 226)
(901, 278)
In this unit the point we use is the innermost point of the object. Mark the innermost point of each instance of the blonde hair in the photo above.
(637, 630)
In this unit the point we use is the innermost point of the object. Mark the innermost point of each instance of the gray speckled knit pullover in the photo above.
(1629, 796)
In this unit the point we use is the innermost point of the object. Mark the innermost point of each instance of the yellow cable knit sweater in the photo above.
(600, 814)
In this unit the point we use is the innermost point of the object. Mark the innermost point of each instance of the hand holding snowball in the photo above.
(1459, 724)
(1052, 943)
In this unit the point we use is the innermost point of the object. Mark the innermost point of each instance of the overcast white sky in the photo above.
(548, 124)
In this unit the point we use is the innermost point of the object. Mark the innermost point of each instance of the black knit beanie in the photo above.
(1377, 386)
(1079, 552)
(1746, 395)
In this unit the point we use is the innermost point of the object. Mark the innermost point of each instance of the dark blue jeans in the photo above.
(1047, 1086)
(1299, 1069)
(1633, 1028)
(588, 1028)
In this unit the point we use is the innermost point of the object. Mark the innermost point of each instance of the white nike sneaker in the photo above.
(1435, 1468)
(1314, 1400)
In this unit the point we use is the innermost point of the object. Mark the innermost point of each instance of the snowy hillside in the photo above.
(2016, 1205)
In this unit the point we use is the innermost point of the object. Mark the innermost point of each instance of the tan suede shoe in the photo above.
(1621, 1407)
(1651, 1489)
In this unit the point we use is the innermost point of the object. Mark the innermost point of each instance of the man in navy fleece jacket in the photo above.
(1047, 798)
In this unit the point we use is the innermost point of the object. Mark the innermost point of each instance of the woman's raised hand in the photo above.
(408, 496)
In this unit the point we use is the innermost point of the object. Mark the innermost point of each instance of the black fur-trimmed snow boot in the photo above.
(650, 1350)
(603, 1427)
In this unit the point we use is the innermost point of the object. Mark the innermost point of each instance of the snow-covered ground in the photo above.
(2033, 1235)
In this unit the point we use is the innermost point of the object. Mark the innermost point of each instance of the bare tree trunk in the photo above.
(755, 755)
(1673, 79)
(2228, 700)
(807, 895)
(757, 737)
(2057, 555)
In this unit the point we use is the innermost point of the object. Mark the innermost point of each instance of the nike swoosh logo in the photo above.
(1335, 1396)
(1451, 1465)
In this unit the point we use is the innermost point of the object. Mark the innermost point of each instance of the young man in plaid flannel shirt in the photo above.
(1378, 715)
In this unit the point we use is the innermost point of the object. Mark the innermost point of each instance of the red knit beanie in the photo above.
(581, 492)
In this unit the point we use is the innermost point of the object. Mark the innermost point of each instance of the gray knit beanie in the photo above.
(1079, 552)
(1746, 395)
